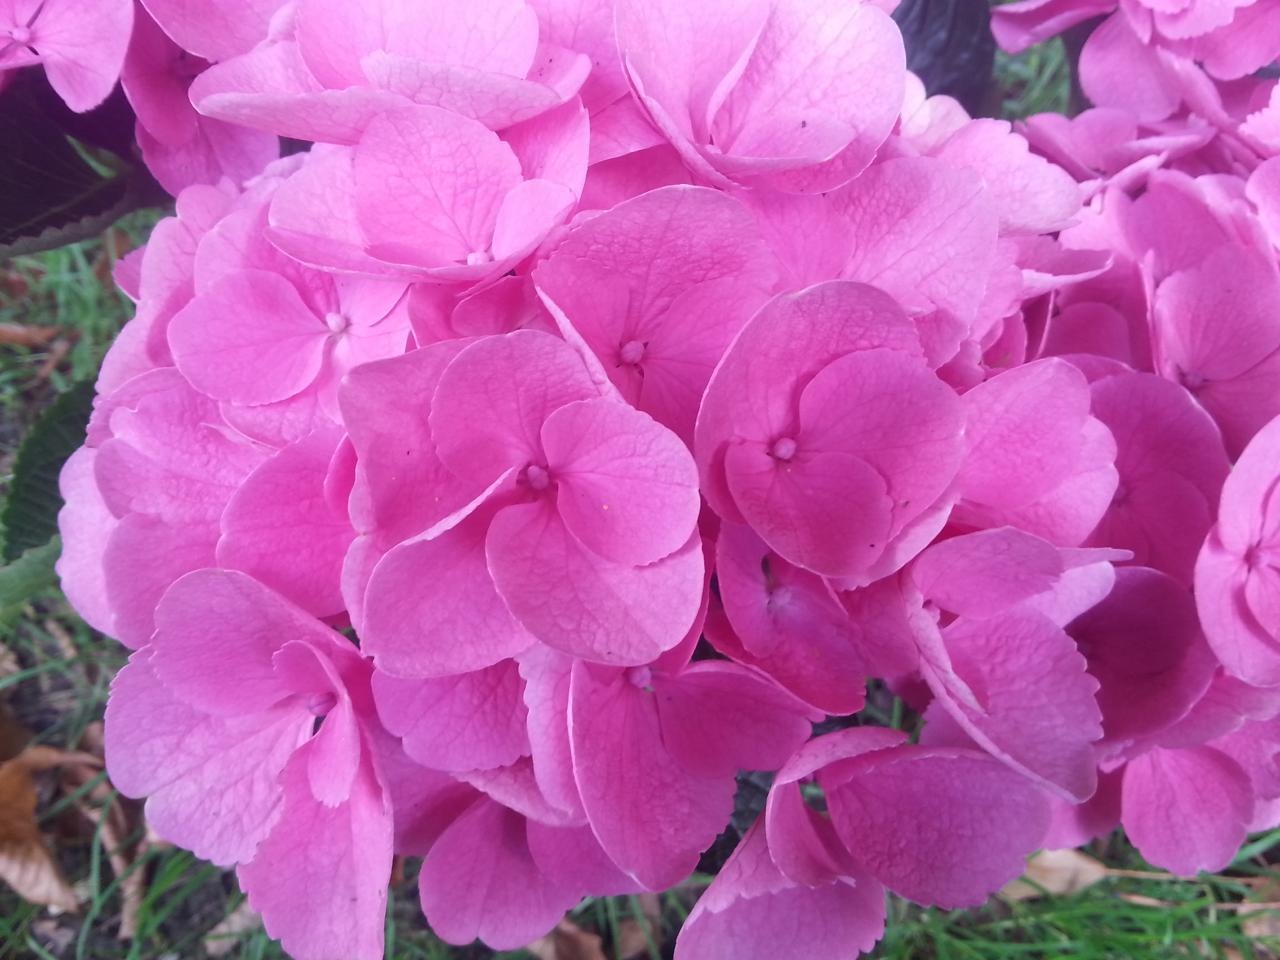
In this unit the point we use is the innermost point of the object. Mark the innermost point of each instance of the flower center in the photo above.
(336, 322)
(319, 704)
(784, 448)
(477, 257)
(536, 477)
(641, 678)
(21, 35)
(632, 352)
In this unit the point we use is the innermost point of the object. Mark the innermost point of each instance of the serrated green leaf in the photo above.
(30, 514)
(51, 194)
(29, 574)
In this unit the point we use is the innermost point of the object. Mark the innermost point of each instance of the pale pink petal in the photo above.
(85, 525)
(212, 783)
(215, 31)
(1118, 70)
(980, 574)
(82, 47)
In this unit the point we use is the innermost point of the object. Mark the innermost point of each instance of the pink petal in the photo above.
(578, 602)
(789, 623)
(211, 619)
(217, 31)
(281, 529)
(894, 204)
(825, 78)
(82, 48)
(1119, 70)
(1024, 432)
(651, 816)
(466, 722)
(1186, 810)
(780, 349)
(1144, 646)
(1038, 708)
(320, 879)
(1248, 649)
(480, 881)
(940, 827)
(429, 185)
(547, 675)
(431, 608)
(492, 401)
(627, 488)
(85, 525)
(980, 574)
(249, 339)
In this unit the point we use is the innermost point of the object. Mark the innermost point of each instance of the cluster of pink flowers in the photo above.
(612, 389)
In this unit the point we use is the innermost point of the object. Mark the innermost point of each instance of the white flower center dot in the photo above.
(537, 477)
(336, 322)
(21, 34)
(784, 448)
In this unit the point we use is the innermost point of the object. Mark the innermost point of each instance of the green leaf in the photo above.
(29, 574)
(30, 515)
(54, 190)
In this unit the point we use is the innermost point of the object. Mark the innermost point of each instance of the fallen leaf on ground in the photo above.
(226, 936)
(23, 335)
(1261, 918)
(26, 862)
(568, 941)
(1055, 872)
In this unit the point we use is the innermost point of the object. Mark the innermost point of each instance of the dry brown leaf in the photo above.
(635, 934)
(1262, 919)
(226, 936)
(568, 941)
(24, 335)
(26, 863)
(1056, 872)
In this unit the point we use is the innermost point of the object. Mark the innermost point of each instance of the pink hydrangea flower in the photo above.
(82, 48)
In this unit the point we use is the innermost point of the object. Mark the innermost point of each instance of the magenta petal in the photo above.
(82, 47)
(1186, 810)
(320, 879)
(754, 912)
(480, 881)
(651, 816)
(979, 574)
(85, 525)
(626, 486)
(466, 722)
(1038, 708)
(547, 674)
(578, 602)
(803, 506)
(718, 718)
(1024, 432)
(940, 827)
